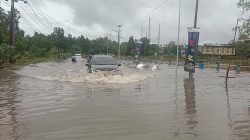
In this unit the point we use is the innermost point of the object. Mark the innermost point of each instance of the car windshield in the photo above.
(103, 61)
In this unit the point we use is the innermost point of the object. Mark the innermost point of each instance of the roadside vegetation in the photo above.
(56, 45)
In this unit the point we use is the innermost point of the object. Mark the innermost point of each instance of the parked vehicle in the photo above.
(73, 59)
(102, 63)
(78, 56)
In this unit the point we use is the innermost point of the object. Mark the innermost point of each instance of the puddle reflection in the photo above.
(10, 126)
(190, 101)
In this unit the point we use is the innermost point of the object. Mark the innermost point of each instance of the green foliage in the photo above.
(130, 46)
(149, 49)
(53, 51)
(4, 37)
(245, 4)
(4, 54)
(145, 44)
(170, 51)
(245, 28)
(243, 49)
(101, 45)
(58, 39)
(7, 54)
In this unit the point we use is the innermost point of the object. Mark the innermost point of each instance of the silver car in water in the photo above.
(102, 63)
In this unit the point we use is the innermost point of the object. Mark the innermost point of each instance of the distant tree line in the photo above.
(41, 45)
(56, 43)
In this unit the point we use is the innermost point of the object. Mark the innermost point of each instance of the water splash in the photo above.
(119, 77)
(80, 76)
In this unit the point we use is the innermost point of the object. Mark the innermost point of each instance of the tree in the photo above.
(245, 28)
(149, 49)
(4, 25)
(59, 39)
(242, 48)
(4, 53)
(83, 43)
(245, 4)
(130, 46)
(145, 44)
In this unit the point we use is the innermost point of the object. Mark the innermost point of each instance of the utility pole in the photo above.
(195, 26)
(196, 13)
(149, 28)
(12, 21)
(178, 37)
(119, 35)
(125, 50)
(107, 49)
(12, 24)
(235, 31)
(141, 31)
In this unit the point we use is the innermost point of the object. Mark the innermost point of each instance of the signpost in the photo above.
(138, 48)
(193, 39)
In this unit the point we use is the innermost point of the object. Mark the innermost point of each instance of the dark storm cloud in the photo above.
(105, 12)
(216, 18)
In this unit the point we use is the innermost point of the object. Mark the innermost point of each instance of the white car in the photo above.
(78, 56)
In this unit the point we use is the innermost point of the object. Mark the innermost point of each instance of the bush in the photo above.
(5, 53)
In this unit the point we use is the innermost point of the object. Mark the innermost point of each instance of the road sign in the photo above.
(193, 40)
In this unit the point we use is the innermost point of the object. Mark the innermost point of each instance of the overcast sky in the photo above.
(216, 18)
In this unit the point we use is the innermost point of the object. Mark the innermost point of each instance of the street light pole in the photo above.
(196, 13)
(235, 31)
(149, 29)
(178, 38)
(159, 39)
(195, 25)
(119, 46)
(12, 23)
(107, 48)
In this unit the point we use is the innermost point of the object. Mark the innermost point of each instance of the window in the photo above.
(103, 61)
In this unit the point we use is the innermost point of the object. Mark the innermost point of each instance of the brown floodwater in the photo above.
(60, 101)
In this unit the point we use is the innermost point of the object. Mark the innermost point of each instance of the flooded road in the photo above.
(60, 101)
